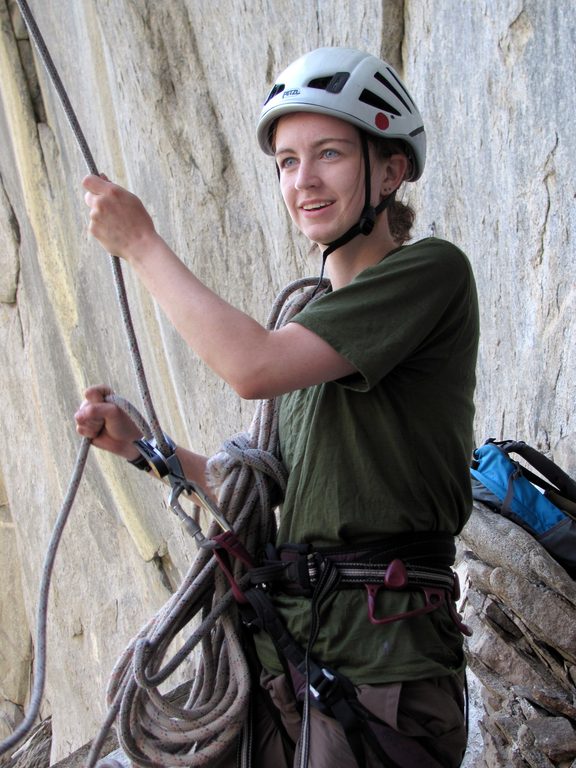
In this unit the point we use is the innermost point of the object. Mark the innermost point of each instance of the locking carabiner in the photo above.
(170, 468)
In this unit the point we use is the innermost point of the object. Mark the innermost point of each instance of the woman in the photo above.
(377, 378)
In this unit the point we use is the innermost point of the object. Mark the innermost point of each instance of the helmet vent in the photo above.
(400, 94)
(368, 97)
(331, 83)
(319, 82)
(278, 88)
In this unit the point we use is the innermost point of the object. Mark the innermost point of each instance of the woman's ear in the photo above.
(396, 170)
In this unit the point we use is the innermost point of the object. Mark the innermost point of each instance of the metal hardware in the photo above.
(169, 468)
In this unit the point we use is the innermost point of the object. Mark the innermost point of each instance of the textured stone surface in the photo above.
(167, 94)
(497, 99)
(523, 616)
(15, 645)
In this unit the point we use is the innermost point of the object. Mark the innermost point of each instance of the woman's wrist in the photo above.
(143, 247)
(131, 454)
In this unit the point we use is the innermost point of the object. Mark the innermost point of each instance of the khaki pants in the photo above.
(429, 712)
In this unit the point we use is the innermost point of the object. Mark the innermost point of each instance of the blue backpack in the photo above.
(544, 506)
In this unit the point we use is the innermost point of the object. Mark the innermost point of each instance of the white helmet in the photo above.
(351, 85)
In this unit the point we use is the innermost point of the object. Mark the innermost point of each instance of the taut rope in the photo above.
(115, 263)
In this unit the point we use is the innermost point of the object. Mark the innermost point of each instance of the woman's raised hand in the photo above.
(118, 219)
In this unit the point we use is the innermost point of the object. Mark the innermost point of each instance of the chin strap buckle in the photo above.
(367, 220)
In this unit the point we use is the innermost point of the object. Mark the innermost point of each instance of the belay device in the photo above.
(543, 504)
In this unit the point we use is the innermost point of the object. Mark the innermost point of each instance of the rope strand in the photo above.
(115, 263)
(24, 727)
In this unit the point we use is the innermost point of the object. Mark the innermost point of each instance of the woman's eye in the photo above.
(330, 154)
(287, 162)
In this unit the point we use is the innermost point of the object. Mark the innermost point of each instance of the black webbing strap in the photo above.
(417, 562)
(335, 695)
(327, 690)
(551, 471)
(324, 688)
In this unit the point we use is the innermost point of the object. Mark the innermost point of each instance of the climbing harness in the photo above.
(415, 562)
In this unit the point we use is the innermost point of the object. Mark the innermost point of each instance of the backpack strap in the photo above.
(560, 480)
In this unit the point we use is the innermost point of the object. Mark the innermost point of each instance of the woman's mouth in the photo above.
(316, 206)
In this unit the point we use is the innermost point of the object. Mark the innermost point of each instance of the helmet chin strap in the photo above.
(367, 220)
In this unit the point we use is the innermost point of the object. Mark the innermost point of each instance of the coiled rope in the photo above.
(155, 729)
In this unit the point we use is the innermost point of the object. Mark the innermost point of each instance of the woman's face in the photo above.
(321, 173)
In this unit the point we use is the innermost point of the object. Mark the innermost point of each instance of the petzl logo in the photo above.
(293, 92)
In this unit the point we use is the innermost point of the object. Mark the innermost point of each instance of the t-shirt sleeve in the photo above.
(406, 310)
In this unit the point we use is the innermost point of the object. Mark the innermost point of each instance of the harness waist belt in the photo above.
(402, 562)
(411, 562)
(354, 574)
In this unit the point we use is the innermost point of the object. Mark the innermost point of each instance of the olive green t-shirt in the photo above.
(383, 451)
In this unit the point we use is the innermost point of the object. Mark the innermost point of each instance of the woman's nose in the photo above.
(306, 176)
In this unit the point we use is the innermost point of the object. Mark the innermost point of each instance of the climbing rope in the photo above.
(27, 723)
(153, 728)
(115, 262)
(24, 727)
(200, 724)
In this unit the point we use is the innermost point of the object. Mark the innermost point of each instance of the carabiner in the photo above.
(180, 484)
(169, 468)
(190, 524)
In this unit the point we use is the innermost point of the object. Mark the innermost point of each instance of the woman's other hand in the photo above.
(106, 424)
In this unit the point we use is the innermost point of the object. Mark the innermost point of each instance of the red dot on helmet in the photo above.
(381, 121)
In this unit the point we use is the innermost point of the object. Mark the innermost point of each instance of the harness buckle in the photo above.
(323, 685)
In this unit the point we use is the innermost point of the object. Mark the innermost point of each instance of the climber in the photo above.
(377, 376)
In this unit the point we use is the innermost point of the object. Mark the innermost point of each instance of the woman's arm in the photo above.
(256, 362)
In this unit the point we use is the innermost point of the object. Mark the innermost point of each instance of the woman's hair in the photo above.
(400, 215)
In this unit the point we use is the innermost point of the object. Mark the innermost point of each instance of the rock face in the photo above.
(521, 606)
(168, 95)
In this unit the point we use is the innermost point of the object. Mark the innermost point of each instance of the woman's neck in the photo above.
(345, 263)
